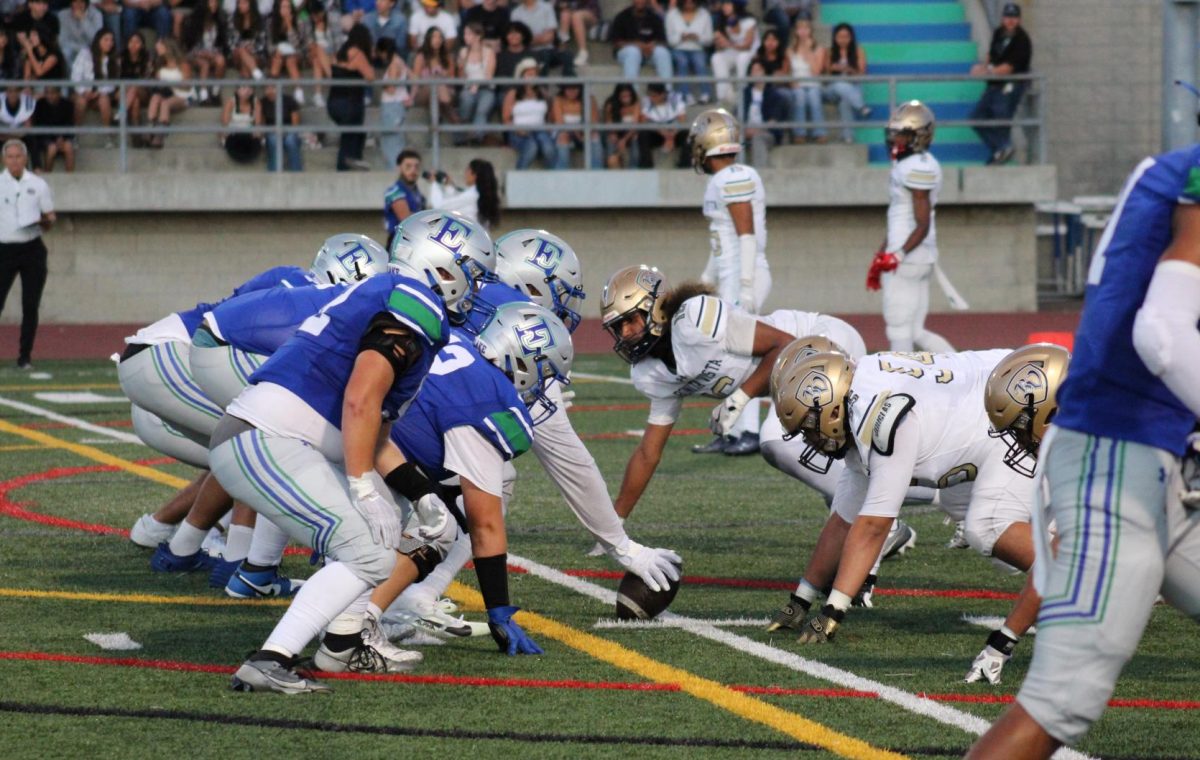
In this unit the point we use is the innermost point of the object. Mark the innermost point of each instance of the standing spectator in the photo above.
(138, 13)
(403, 198)
(783, 15)
(78, 24)
(1010, 53)
(492, 16)
(293, 161)
(288, 35)
(690, 33)
(575, 17)
(53, 110)
(36, 15)
(205, 38)
(136, 64)
(43, 59)
(539, 16)
(568, 108)
(478, 199)
(172, 68)
(806, 58)
(640, 37)
(735, 39)
(477, 65)
(386, 21)
(393, 101)
(430, 16)
(435, 61)
(660, 106)
(763, 105)
(99, 62)
(846, 59)
(621, 108)
(241, 115)
(247, 39)
(352, 64)
(22, 252)
(525, 109)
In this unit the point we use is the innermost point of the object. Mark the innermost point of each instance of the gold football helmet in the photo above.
(812, 400)
(914, 120)
(799, 350)
(629, 292)
(1021, 400)
(715, 132)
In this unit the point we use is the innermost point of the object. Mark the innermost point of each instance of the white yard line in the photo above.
(602, 378)
(75, 422)
(633, 625)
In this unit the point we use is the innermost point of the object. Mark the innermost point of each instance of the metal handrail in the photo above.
(123, 129)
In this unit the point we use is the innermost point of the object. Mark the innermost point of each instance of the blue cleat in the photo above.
(222, 571)
(164, 561)
(259, 585)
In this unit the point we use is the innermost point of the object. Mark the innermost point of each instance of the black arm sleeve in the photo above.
(392, 340)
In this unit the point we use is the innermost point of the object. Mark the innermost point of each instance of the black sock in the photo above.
(340, 642)
(252, 568)
(273, 656)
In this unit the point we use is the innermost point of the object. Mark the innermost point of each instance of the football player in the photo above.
(908, 257)
(735, 204)
(1128, 527)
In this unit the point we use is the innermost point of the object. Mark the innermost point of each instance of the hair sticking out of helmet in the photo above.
(714, 132)
(453, 254)
(532, 347)
(631, 310)
(348, 257)
(909, 129)
(1021, 397)
(812, 400)
(543, 267)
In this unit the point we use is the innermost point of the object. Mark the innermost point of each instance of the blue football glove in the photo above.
(508, 635)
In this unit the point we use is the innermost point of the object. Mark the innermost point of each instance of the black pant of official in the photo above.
(29, 261)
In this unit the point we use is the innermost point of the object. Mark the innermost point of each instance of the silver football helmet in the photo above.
(545, 268)
(453, 253)
(533, 348)
(349, 257)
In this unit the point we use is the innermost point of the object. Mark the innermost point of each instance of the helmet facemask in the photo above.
(637, 347)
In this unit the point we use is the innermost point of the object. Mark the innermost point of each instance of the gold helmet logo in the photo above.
(815, 390)
(1021, 400)
(1029, 384)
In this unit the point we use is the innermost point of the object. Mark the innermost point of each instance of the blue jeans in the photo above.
(806, 109)
(692, 63)
(530, 145)
(563, 160)
(391, 141)
(630, 58)
(133, 19)
(475, 107)
(348, 111)
(292, 160)
(849, 99)
(997, 104)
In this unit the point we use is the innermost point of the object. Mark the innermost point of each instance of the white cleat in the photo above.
(434, 618)
(149, 532)
(901, 538)
(374, 655)
(959, 539)
(597, 550)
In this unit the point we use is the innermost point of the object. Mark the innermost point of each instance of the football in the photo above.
(635, 600)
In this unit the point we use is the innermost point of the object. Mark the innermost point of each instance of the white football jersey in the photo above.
(735, 184)
(920, 171)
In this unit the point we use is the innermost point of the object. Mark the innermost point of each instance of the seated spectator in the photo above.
(1009, 53)
(763, 105)
(575, 18)
(690, 33)
(153, 13)
(247, 38)
(345, 105)
(568, 108)
(293, 161)
(516, 49)
(539, 16)
(35, 15)
(435, 61)
(325, 33)
(110, 10)
(806, 58)
(43, 59)
(783, 14)
(429, 17)
(393, 101)
(525, 109)
(54, 111)
(477, 98)
(78, 24)
(136, 63)
(846, 59)
(99, 62)
(387, 21)
(351, 12)
(241, 115)
(735, 38)
(478, 199)
(660, 106)
(492, 16)
(621, 108)
(639, 37)
(166, 100)
(10, 59)
(320, 49)
(16, 111)
(207, 44)
(289, 35)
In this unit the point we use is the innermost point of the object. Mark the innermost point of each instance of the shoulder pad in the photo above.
(883, 419)
(701, 315)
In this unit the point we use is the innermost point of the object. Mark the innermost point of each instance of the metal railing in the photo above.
(595, 88)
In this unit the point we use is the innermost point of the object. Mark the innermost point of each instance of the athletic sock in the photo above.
(266, 544)
(327, 593)
(237, 543)
(807, 593)
(839, 601)
(187, 539)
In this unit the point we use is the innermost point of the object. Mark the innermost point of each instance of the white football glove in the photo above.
(987, 666)
(1190, 496)
(568, 400)
(726, 413)
(657, 567)
(746, 298)
(382, 518)
(435, 525)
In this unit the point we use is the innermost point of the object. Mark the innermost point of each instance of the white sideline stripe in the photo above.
(79, 397)
(991, 623)
(602, 378)
(113, 641)
(74, 422)
(740, 622)
(942, 713)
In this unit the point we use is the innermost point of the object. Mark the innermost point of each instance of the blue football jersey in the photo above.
(261, 322)
(462, 390)
(316, 362)
(1108, 390)
(484, 303)
(294, 277)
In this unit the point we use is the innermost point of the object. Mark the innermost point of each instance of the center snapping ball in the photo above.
(635, 600)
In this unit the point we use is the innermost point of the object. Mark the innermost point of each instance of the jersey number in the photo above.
(942, 377)
(964, 473)
(458, 359)
(319, 321)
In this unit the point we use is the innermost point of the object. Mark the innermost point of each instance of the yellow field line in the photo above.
(86, 596)
(717, 694)
(94, 454)
(23, 447)
(77, 387)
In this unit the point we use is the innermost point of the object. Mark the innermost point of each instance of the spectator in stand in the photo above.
(16, 111)
(783, 14)
(98, 62)
(153, 13)
(621, 108)
(352, 12)
(735, 38)
(539, 16)
(293, 160)
(516, 49)
(403, 198)
(136, 63)
(241, 115)
(567, 108)
(288, 35)
(690, 33)
(394, 100)
(772, 56)
(247, 38)
(435, 61)
(806, 58)
(661, 106)
(1010, 53)
(43, 59)
(345, 106)
(325, 37)
(763, 104)
(575, 17)
(492, 16)
(478, 199)
(36, 15)
(639, 37)
(172, 68)
(78, 24)
(10, 61)
(429, 17)
(477, 98)
(846, 59)
(387, 21)
(207, 44)
(525, 109)
(110, 10)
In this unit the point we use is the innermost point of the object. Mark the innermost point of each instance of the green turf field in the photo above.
(703, 690)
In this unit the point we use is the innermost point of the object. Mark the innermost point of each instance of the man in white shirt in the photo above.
(542, 21)
(661, 106)
(27, 209)
(431, 15)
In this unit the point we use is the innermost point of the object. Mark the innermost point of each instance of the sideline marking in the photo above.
(74, 422)
(717, 694)
(60, 387)
(78, 397)
(95, 596)
(113, 641)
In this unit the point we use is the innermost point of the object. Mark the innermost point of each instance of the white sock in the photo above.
(351, 618)
(329, 592)
(436, 583)
(187, 539)
(237, 542)
(807, 591)
(839, 601)
(267, 543)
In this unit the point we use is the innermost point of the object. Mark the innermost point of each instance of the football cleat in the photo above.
(743, 445)
(268, 675)
(149, 532)
(376, 657)
(987, 666)
(222, 571)
(244, 584)
(959, 539)
(790, 615)
(165, 561)
(436, 618)
(901, 539)
(822, 627)
(715, 446)
(597, 550)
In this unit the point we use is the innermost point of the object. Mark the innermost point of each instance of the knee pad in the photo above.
(424, 556)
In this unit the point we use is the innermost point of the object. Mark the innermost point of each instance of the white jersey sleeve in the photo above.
(658, 384)
(469, 455)
(920, 171)
(736, 183)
